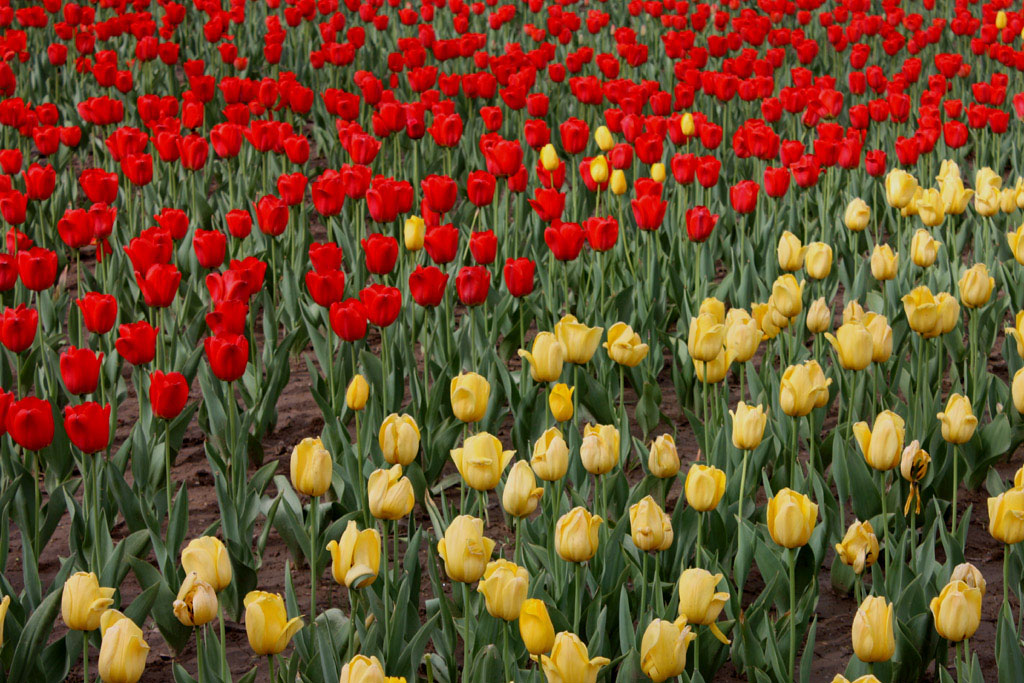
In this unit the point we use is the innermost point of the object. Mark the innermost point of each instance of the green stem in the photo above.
(273, 673)
(314, 514)
(167, 467)
(387, 585)
(467, 655)
(956, 486)
(85, 657)
(579, 597)
(884, 476)
(792, 612)
(224, 672)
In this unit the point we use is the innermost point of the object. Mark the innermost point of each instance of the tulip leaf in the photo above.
(33, 637)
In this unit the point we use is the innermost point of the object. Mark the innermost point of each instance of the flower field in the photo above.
(439, 341)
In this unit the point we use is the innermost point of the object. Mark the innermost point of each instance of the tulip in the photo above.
(5, 604)
(504, 587)
(570, 662)
(853, 312)
(986, 201)
(413, 233)
(881, 336)
(872, 634)
(363, 669)
(706, 337)
(714, 371)
(464, 549)
(399, 439)
(955, 198)
(791, 518)
(948, 312)
(857, 215)
(1016, 242)
(748, 423)
(83, 601)
(923, 248)
(914, 464)
(704, 487)
(976, 286)
(481, 461)
(859, 548)
(355, 558)
(545, 358)
(803, 388)
(1006, 516)
(650, 527)
(196, 604)
(699, 601)
(535, 627)
(311, 467)
(899, 188)
(787, 295)
(1017, 390)
(603, 138)
(969, 574)
(819, 316)
(357, 393)
(742, 336)
(618, 183)
(550, 455)
(576, 535)
(663, 649)
(930, 207)
(469, 393)
(579, 341)
(521, 494)
(853, 345)
(549, 157)
(1017, 332)
(790, 252)
(390, 494)
(956, 611)
(599, 169)
(624, 345)
(560, 402)
(884, 262)
(663, 457)
(958, 420)
(123, 650)
(267, 624)
(922, 312)
(882, 446)
(600, 448)
(818, 260)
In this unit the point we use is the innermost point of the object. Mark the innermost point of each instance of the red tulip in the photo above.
(152, 247)
(327, 287)
(480, 188)
(439, 193)
(99, 311)
(348, 319)
(88, 426)
(168, 393)
(30, 423)
(75, 228)
(743, 196)
(575, 134)
(193, 151)
(806, 171)
(8, 272)
(649, 212)
(328, 193)
(484, 246)
(441, 243)
(37, 268)
(228, 317)
(473, 283)
(138, 169)
(136, 342)
(18, 327)
(427, 285)
(6, 399)
(548, 204)
(519, 274)
(271, 215)
(99, 186)
(875, 163)
(239, 223)
(382, 303)
(325, 257)
(159, 284)
(291, 187)
(174, 221)
(228, 355)
(210, 247)
(776, 181)
(80, 370)
(602, 232)
(565, 240)
(13, 205)
(708, 169)
(699, 223)
(40, 181)
(381, 253)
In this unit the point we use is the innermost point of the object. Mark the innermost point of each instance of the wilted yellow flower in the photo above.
(600, 448)
(550, 455)
(208, 557)
(535, 627)
(791, 518)
(570, 662)
(748, 422)
(787, 295)
(83, 601)
(576, 535)
(267, 623)
(624, 345)
(481, 460)
(504, 587)
(958, 420)
(857, 215)
(859, 549)
(930, 208)
(650, 528)
(913, 467)
(663, 649)
(976, 286)
(699, 600)
(546, 357)
(469, 393)
(355, 559)
(1006, 516)
(969, 574)
(818, 260)
(549, 157)
(873, 639)
(560, 402)
(464, 549)
(123, 650)
(853, 345)
(704, 487)
(706, 337)
(790, 252)
(311, 467)
(884, 262)
(956, 611)
(900, 187)
(580, 342)
(663, 458)
(390, 494)
(399, 439)
(819, 316)
(883, 445)
(414, 233)
(521, 494)
(196, 603)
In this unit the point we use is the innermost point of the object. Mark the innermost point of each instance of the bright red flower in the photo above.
(700, 223)
(271, 215)
(382, 303)
(88, 426)
(565, 240)
(37, 268)
(427, 285)
(30, 423)
(18, 327)
(381, 253)
(473, 283)
(441, 243)
(649, 212)
(348, 319)
(80, 370)
(518, 275)
(439, 193)
(228, 317)
(210, 247)
(484, 246)
(99, 311)
(327, 287)
(159, 284)
(228, 355)
(743, 196)
(602, 232)
(136, 342)
(168, 394)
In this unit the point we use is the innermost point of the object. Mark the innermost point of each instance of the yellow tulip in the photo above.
(700, 602)
(791, 518)
(599, 168)
(521, 494)
(545, 358)
(5, 604)
(913, 467)
(1017, 332)
(658, 172)
(859, 548)
(196, 603)
(986, 202)
(357, 393)
(884, 262)
(414, 232)
(787, 295)
(819, 383)
(1006, 516)
(535, 627)
(853, 312)
(311, 467)
(748, 422)
(580, 341)
(853, 345)
(123, 650)
(761, 315)
(819, 316)
(267, 624)
(576, 535)
(883, 445)
(399, 439)
(955, 198)
(958, 420)
(1000, 20)
(570, 662)
(686, 125)
(948, 169)
(1016, 241)
(83, 601)
(649, 526)
(624, 345)
(363, 669)
(481, 460)
(389, 494)
(777, 317)
(956, 611)
(866, 678)
(976, 286)
(663, 649)
(790, 252)
(1018, 479)
(1017, 390)
(873, 639)
(881, 336)
(930, 208)
(799, 390)
(550, 455)
(464, 549)
(704, 487)
(1008, 200)
(208, 557)
(603, 138)
(742, 336)
(818, 260)
(900, 187)
(923, 248)
(600, 448)
(969, 574)
(663, 457)
(560, 402)
(618, 183)
(715, 307)
(922, 312)
(705, 338)
(469, 393)
(504, 587)
(857, 215)
(355, 558)
(949, 312)
(714, 371)
(549, 157)
(911, 208)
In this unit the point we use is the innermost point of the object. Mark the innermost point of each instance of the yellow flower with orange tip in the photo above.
(521, 494)
(579, 340)
(389, 494)
(469, 393)
(872, 633)
(624, 345)
(570, 662)
(399, 439)
(414, 232)
(357, 393)
(663, 649)
(706, 337)
(930, 208)
(650, 528)
(560, 402)
(857, 215)
(748, 423)
(969, 574)
(922, 312)
(790, 252)
(801, 389)
(818, 260)
(599, 168)
(787, 295)
(1016, 241)
(599, 451)
(663, 457)
(791, 518)
(742, 336)
(883, 445)
(976, 286)
(704, 487)
(914, 464)
(1017, 332)
(123, 650)
(535, 627)
(546, 357)
(311, 467)
(481, 460)
(853, 345)
(900, 187)
(956, 611)
(884, 262)
(576, 535)
(196, 603)
(700, 602)
(819, 316)
(714, 371)
(1006, 516)
(859, 548)
(267, 624)
(464, 549)
(504, 587)
(924, 249)
(83, 601)
(958, 420)
(881, 336)
(550, 455)
(355, 558)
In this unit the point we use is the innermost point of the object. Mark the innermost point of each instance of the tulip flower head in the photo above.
(355, 557)
(196, 603)
(560, 402)
(123, 650)
(469, 393)
(504, 586)
(600, 448)
(1006, 516)
(207, 557)
(546, 357)
(791, 518)
(570, 661)
(550, 459)
(956, 611)
(576, 536)
(650, 527)
(881, 446)
(700, 601)
(859, 548)
(663, 649)
(535, 627)
(579, 341)
(464, 549)
(521, 494)
(704, 487)
(624, 345)
(390, 494)
(958, 420)
(399, 439)
(267, 624)
(872, 634)
(481, 460)
(83, 601)
(663, 457)
(311, 467)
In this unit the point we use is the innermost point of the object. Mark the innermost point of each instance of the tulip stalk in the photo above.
(167, 467)
(387, 584)
(792, 611)
(314, 513)
(956, 486)
(467, 638)
(85, 657)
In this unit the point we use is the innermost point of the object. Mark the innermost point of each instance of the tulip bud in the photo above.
(624, 345)
(389, 494)
(481, 460)
(469, 393)
(549, 157)
(1000, 20)
(748, 424)
(704, 487)
(504, 587)
(819, 316)
(884, 262)
(958, 420)
(535, 627)
(658, 172)
(579, 341)
(930, 207)
(923, 248)
(859, 549)
(464, 549)
(1006, 516)
(873, 639)
(415, 231)
(742, 336)
(900, 187)
(852, 343)
(881, 337)
(123, 649)
(603, 138)
(969, 574)
(521, 494)
(83, 601)
(267, 624)
(956, 611)
(818, 260)
(599, 169)
(546, 357)
(790, 252)
(560, 402)
(857, 215)
(618, 183)
(949, 312)
(882, 446)
(357, 393)
(550, 455)
(699, 601)
(705, 338)
(922, 312)
(686, 125)
(196, 604)
(663, 458)
(600, 448)
(399, 439)
(976, 286)
(355, 558)
(650, 528)
(208, 557)
(791, 518)
(1016, 240)
(787, 295)
(663, 649)
(311, 467)
(576, 535)
(570, 661)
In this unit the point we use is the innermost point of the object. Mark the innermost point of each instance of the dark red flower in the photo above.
(18, 327)
(484, 246)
